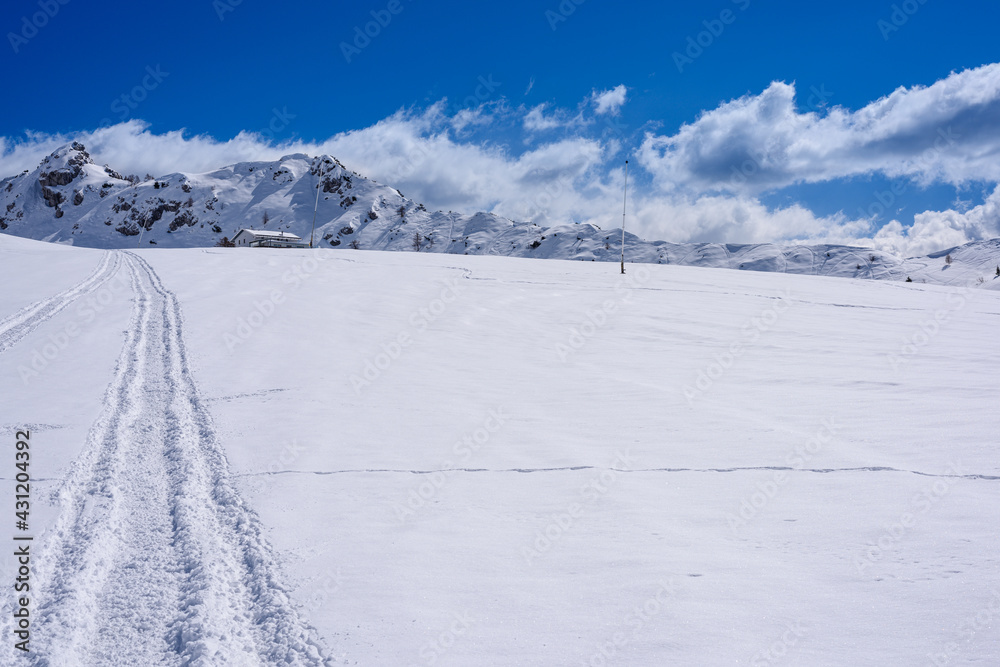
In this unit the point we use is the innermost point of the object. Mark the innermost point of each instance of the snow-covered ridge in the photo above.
(70, 199)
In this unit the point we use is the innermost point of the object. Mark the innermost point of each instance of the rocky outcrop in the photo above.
(52, 197)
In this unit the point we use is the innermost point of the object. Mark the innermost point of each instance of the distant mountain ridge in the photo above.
(70, 199)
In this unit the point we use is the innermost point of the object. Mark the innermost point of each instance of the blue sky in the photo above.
(530, 108)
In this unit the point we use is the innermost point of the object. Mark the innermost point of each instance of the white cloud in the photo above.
(537, 121)
(469, 118)
(948, 132)
(939, 230)
(682, 189)
(131, 148)
(609, 101)
(555, 182)
(735, 219)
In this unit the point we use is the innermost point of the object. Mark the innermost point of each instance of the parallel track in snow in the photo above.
(154, 558)
(24, 321)
(742, 469)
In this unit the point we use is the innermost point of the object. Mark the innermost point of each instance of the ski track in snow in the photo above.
(23, 322)
(154, 558)
(821, 471)
(233, 397)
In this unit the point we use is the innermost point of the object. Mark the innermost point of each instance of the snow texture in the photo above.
(313, 457)
(154, 558)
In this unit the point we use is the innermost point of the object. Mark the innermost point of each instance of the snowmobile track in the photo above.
(26, 320)
(154, 558)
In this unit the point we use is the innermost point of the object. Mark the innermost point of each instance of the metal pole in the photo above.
(315, 208)
(624, 205)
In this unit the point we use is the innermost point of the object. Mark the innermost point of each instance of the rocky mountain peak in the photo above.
(64, 165)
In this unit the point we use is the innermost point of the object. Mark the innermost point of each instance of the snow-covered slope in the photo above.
(262, 457)
(70, 199)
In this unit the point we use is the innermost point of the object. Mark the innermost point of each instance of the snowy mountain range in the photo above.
(70, 199)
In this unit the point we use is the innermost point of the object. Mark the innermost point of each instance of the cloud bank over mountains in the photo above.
(704, 182)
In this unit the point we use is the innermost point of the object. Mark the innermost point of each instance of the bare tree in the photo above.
(418, 241)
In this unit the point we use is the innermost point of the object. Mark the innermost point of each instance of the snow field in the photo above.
(153, 558)
(526, 476)
(812, 401)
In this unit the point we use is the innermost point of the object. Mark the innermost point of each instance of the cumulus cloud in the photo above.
(415, 153)
(131, 148)
(938, 230)
(947, 132)
(609, 101)
(559, 181)
(735, 219)
(704, 183)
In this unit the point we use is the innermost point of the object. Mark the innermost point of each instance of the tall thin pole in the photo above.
(315, 208)
(624, 208)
